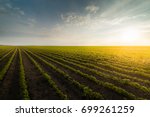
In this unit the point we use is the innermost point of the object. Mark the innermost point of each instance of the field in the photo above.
(63, 72)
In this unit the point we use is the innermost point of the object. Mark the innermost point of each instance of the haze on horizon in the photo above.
(75, 22)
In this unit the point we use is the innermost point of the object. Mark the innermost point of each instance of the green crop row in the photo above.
(22, 81)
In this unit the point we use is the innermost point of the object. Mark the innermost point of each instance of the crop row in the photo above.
(93, 79)
(22, 81)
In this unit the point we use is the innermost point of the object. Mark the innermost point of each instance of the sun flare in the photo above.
(130, 35)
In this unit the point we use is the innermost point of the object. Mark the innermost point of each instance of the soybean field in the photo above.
(74, 72)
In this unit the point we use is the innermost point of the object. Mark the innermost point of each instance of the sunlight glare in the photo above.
(130, 35)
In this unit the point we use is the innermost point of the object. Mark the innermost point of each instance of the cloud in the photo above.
(31, 22)
(92, 8)
(27, 23)
(9, 9)
(121, 20)
(94, 21)
(21, 12)
(8, 5)
(88, 21)
(98, 21)
(75, 19)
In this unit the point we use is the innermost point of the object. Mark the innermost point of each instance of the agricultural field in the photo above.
(74, 72)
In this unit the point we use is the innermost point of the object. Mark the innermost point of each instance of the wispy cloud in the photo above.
(75, 19)
(116, 15)
(9, 9)
(8, 5)
(92, 8)
(31, 22)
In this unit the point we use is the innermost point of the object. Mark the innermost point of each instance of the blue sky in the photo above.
(75, 22)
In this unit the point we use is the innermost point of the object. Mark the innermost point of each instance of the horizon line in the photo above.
(85, 45)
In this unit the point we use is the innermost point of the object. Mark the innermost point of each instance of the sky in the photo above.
(75, 22)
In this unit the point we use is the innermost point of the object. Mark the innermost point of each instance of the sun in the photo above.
(130, 35)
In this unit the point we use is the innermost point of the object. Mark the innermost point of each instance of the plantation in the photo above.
(74, 72)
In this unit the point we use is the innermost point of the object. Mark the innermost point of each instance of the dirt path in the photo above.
(37, 86)
(9, 88)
